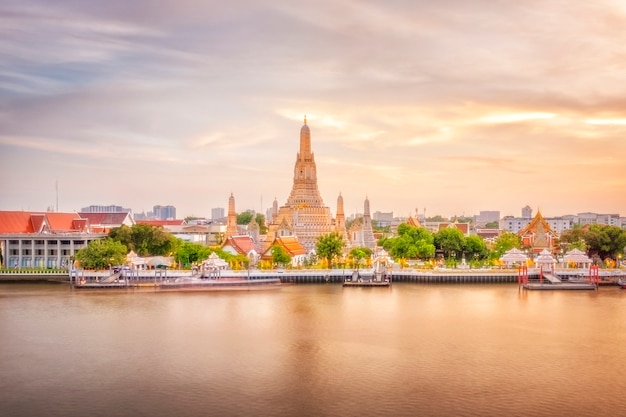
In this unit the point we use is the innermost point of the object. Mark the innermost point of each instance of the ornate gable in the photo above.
(538, 234)
(412, 221)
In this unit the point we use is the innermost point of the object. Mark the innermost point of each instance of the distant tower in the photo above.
(340, 222)
(527, 212)
(368, 233)
(254, 230)
(231, 225)
(274, 209)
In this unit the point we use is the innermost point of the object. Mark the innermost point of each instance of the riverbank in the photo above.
(469, 276)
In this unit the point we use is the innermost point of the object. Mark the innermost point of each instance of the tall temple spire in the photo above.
(340, 220)
(368, 232)
(231, 224)
(305, 143)
(304, 214)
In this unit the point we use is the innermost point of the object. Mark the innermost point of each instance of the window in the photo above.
(14, 252)
(26, 252)
(26, 242)
(38, 242)
(52, 252)
(39, 252)
(14, 242)
(52, 242)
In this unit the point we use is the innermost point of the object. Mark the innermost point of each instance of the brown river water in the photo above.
(313, 350)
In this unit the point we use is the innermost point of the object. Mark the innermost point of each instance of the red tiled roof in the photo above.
(37, 221)
(15, 222)
(242, 244)
(33, 222)
(61, 222)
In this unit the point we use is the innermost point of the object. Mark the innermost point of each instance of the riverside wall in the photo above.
(295, 276)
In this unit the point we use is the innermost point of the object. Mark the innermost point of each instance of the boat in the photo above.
(621, 282)
(222, 284)
(367, 279)
(187, 284)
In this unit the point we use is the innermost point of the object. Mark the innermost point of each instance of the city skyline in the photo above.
(453, 107)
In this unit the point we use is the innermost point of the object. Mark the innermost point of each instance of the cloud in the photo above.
(406, 101)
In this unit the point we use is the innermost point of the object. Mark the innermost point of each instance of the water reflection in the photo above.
(312, 350)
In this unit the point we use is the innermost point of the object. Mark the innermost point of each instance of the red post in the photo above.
(594, 274)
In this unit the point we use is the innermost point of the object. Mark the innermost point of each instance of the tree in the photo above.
(411, 242)
(329, 247)
(437, 218)
(451, 241)
(145, 239)
(358, 254)
(280, 256)
(101, 254)
(188, 253)
(492, 225)
(505, 242)
(574, 238)
(244, 217)
(605, 241)
(597, 240)
(260, 219)
(475, 247)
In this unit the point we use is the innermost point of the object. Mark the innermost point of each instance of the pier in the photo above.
(151, 278)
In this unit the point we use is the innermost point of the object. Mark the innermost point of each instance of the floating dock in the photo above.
(551, 282)
(548, 286)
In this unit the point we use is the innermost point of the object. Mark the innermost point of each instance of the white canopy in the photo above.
(545, 258)
(215, 262)
(577, 256)
(514, 255)
(157, 261)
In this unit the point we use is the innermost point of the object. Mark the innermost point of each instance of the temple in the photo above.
(304, 215)
(538, 235)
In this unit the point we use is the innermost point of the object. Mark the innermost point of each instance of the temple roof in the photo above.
(537, 225)
(241, 244)
(412, 221)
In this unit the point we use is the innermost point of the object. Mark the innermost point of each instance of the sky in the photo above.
(446, 107)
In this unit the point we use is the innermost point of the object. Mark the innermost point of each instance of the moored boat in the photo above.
(621, 282)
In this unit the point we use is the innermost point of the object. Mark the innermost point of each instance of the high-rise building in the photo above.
(217, 214)
(104, 209)
(304, 215)
(164, 212)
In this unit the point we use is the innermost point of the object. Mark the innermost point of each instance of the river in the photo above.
(313, 350)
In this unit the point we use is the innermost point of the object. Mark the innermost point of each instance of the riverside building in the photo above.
(43, 239)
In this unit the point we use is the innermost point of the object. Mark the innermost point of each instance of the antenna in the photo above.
(57, 193)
